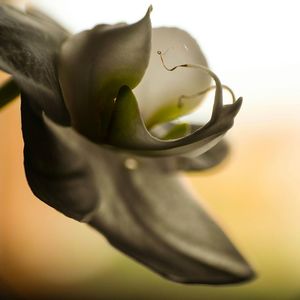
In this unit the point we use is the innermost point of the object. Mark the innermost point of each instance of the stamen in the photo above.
(210, 88)
(218, 101)
(169, 69)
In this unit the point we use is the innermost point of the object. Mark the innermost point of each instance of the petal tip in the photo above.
(150, 9)
(240, 100)
(221, 277)
(247, 275)
(244, 273)
(147, 16)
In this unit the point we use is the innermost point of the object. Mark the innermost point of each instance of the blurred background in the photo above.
(254, 48)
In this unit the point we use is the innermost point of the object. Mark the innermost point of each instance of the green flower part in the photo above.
(101, 145)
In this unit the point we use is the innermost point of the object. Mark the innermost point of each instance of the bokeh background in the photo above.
(254, 47)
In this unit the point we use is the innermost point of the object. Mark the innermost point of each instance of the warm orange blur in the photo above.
(254, 194)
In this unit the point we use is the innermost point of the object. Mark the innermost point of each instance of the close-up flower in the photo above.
(104, 142)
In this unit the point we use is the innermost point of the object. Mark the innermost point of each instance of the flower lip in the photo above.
(128, 130)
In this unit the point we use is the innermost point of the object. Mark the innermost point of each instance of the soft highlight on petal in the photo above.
(159, 91)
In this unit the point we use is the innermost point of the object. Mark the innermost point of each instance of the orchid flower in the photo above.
(101, 142)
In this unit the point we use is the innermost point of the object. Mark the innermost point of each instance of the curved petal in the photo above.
(55, 167)
(151, 216)
(28, 48)
(207, 160)
(159, 91)
(128, 131)
(94, 64)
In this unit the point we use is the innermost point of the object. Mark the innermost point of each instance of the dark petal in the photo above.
(95, 64)
(129, 132)
(151, 216)
(29, 44)
(8, 92)
(55, 167)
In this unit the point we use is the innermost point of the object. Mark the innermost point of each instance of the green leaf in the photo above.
(28, 47)
(93, 66)
(8, 92)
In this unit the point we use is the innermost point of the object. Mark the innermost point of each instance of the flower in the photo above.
(97, 155)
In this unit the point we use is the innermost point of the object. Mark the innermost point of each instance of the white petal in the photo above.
(159, 87)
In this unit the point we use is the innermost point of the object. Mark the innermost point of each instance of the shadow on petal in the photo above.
(151, 216)
(55, 168)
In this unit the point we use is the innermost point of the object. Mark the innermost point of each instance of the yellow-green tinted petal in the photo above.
(93, 66)
(159, 91)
